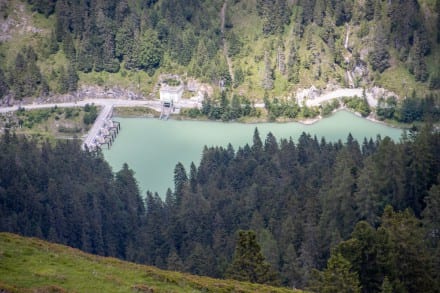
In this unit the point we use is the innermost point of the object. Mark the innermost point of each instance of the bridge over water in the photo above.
(100, 129)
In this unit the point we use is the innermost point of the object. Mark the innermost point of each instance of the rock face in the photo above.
(309, 93)
(85, 92)
(15, 20)
(111, 93)
(195, 86)
(378, 92)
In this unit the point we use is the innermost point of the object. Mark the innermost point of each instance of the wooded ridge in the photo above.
(369, 210)
(253, 47)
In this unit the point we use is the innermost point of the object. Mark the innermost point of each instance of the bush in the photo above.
(360, 105)
(328, 107)
(91, 113)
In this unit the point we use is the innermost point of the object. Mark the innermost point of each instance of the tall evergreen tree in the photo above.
(248, 263)
(379, 55)
(4, 87)
(337, 277)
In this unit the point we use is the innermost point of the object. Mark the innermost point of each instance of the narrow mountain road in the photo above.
(155, 104)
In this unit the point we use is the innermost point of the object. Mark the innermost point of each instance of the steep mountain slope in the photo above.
(31, 265)
(251, 46)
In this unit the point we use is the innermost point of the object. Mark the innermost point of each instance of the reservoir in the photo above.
(153, 147)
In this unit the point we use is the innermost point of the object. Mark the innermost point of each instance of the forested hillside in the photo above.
(252, 46)
(329, 217)
(367, 212)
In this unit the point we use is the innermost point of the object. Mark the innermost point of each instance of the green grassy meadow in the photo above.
(33, 265)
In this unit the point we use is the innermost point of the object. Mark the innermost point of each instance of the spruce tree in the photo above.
(337, 277)
(379, 55)
(4, 87)
(249, 263)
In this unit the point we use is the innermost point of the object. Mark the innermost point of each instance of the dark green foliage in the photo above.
(104, 35)
(91, 113)
(418, 65)
(149, 52)
(327, 108)
(234, 43)
(69, 196)
(369, 9)
(275, 15)
(68, 79)
(248, 263)
(108, 33)
(221, 108)
(410, 109)
(379, 56)
(46, 7)
(4, 87)
(301, 199)
(25, 78)
(358, 104)
(53, 43)
(72, 78)
(281, 108)
(405, 17)
(337, 277)
(392, 256)
(437, 9)
(434, 81)
(29, 118)
(386, 108)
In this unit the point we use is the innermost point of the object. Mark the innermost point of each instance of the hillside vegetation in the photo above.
(252, 46)
(273, 212)
(31, 265)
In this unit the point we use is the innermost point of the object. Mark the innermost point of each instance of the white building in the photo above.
(170, 94)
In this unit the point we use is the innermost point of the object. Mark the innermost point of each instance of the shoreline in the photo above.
(155, 106)
(306, 122)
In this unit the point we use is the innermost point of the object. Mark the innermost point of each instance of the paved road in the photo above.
(155, 104)
(100, 102)
(339, 94)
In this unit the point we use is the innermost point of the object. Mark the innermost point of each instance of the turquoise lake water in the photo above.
(153, 147)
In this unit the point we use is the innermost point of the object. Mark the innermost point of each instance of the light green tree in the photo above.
(337, 277)
(249, 263)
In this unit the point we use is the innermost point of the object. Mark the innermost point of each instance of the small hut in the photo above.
(171, 91)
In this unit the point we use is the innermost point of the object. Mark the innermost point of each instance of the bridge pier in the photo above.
(103, 130)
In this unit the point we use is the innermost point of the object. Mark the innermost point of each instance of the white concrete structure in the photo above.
(170, 94)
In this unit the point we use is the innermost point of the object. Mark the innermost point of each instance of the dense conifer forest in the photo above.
(346, 216)
(252, 46)
(307, 210)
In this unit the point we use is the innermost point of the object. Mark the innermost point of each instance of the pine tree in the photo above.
(387, 287)
(337, 277)
(418, 65)
(72, 78)
(4, 87)
(193, 177)
(379, 55)
(369, 9)
(248, 263)
(409, 262)
(437, 9)
(180, 181)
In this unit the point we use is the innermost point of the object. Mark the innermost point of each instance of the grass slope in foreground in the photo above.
(33, 265)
